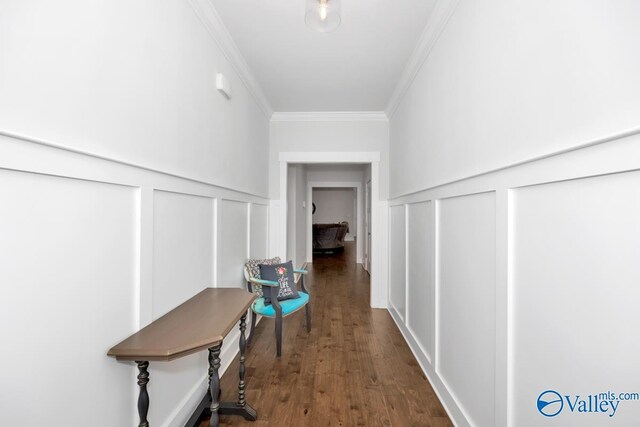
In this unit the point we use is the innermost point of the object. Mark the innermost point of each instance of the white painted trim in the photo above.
(282, 224)
(447, 399)
(33, 156)
(62, 147)
(578, 147)
(593, 160)
(145, 256)
(406, 264)
(248, 231)
(212, 22)
(436, 285)
(503, 270)
(509, 314)
(438, 20)
(313, 157)
(273, 228)
(379, 252)
(216, 235)
(359, 214)
(330, 116)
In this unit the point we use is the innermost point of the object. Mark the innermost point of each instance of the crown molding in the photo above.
(437, 22)
(330, 116)
(212, 22)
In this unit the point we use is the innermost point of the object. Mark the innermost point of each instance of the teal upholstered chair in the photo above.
(277, 309)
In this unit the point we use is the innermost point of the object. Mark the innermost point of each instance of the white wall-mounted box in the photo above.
(223, 85)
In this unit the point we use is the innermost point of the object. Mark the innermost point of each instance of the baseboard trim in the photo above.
(451, 406)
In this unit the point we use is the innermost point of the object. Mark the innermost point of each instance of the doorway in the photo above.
(367, 227)
(372, 160)
(329, 214)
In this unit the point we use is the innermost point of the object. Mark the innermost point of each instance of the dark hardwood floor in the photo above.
(353, 369)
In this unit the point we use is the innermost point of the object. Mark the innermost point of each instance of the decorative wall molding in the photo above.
(87, 154)
(438, 20)
(617, 137)
(619, 158)
(311, 157)
(28, 158)
(209, 17)
(330, 116)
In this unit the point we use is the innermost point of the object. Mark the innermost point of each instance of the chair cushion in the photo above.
(288, 306)
(253, 268)
(283, 274)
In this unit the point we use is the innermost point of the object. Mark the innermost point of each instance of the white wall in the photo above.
(329, 136)
(130, 80)
(517, 276)
(509, 81)
(296, 214)
(336, 205)
(134, 175)
(291, 211)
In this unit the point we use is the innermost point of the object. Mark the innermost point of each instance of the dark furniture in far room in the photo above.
(329, 237)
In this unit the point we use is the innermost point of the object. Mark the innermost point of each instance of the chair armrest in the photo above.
(300, 271)
(264, 282)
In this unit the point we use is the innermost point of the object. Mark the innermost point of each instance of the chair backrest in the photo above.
(252, 271)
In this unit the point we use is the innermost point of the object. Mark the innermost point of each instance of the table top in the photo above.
(195, 325)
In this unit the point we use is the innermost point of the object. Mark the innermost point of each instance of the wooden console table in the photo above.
(200, 323)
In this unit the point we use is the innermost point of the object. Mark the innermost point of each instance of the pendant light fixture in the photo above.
(323, 15)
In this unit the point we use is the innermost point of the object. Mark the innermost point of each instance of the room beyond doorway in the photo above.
(336, 216)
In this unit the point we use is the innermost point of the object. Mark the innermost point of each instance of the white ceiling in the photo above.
(354, 68)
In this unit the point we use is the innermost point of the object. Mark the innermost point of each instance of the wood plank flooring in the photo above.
(353, 369)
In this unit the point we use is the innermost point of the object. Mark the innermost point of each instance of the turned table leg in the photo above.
(143, 398)
(211, 400)
(240, 407)
(214, 383)
(243, 347)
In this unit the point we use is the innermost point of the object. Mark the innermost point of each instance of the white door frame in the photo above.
(367, 222)
(378, 266)
(332, 184)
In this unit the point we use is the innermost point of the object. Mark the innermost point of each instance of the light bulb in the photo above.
(322, 15)
(323, 10)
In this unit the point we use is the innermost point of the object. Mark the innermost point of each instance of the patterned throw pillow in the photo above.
(253, 266)
(283, 274)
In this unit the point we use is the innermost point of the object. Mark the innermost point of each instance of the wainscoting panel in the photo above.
(397, 260)
(183, 248)
(576, 280)
(182, 267)
(536, 286)
(259, 229)
(92, 249)
(233, 248)
(67, 286)
(466, 298)
(421, 310)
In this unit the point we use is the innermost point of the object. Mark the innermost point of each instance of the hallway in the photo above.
(353, 369)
